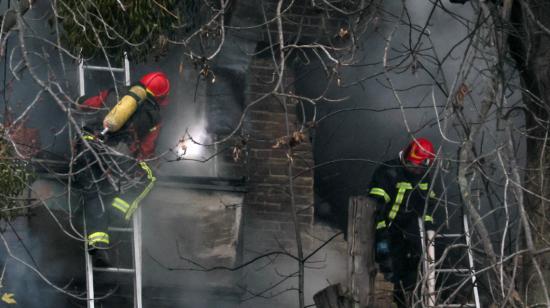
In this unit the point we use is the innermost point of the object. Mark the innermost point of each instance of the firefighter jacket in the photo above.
(125, 182)
(140, 132)
(402, 196)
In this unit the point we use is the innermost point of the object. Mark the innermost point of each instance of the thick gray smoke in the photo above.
(374, 127)
(204, 109)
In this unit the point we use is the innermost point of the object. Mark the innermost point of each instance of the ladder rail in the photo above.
(136, 222)
(471, 260)
(136, 225)
(126, 70)
(90, 302)
(428, 265)
(81, 89)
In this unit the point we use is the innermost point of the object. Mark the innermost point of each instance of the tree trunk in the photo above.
(529, 45)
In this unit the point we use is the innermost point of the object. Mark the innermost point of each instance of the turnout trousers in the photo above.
(405, 253)
(111, 192)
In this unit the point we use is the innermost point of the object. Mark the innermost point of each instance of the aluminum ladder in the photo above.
(135, 228)
(431, 271)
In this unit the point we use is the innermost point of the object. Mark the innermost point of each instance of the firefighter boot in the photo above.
(99, 249)
(100, 257)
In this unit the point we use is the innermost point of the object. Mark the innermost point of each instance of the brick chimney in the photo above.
(267, 220)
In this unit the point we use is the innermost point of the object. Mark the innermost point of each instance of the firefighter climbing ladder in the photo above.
(428, 250)
(135, 228)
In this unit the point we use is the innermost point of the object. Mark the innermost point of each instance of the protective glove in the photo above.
(384, 259)
(383, 248)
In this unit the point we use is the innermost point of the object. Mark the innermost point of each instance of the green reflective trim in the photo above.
(394, 210)
(88, 137)
(145, 167)
(98, 237)
(120, 204)
(381, 225)
(402, 188)
(424, 186)
(144, 193)
(380, 192)
(428, 218)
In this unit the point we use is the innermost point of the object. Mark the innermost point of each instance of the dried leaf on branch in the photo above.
(8, 298)
(343, 33)
(460, 95)
(238, 150)
(293, 140)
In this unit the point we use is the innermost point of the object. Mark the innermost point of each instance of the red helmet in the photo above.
(420, 152)
(157, 84)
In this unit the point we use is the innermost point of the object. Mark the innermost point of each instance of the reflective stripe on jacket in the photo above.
(401, 195)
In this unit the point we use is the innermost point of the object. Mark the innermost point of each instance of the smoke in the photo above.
(191, 146)
(45, 246)
(380, 122)
(272, 282)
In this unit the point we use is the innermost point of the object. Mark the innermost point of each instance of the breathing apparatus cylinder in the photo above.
(124, 109)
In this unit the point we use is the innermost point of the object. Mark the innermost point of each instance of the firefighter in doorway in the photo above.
(117, 137)
(402, 189)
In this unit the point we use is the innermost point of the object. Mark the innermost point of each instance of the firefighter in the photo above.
(403, 193)
(117, 137)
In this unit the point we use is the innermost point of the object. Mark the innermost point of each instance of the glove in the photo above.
(382, 251)
(384, 260)
(383, 248)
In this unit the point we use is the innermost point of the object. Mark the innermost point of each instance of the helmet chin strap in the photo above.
(413, 168)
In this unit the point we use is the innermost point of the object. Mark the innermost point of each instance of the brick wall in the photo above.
(267, 205)
(267, 221)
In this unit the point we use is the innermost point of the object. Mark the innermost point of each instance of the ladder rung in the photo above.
(452, 270)
(114, 270)
(119, 229)
(450, 235)
(104, 68)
